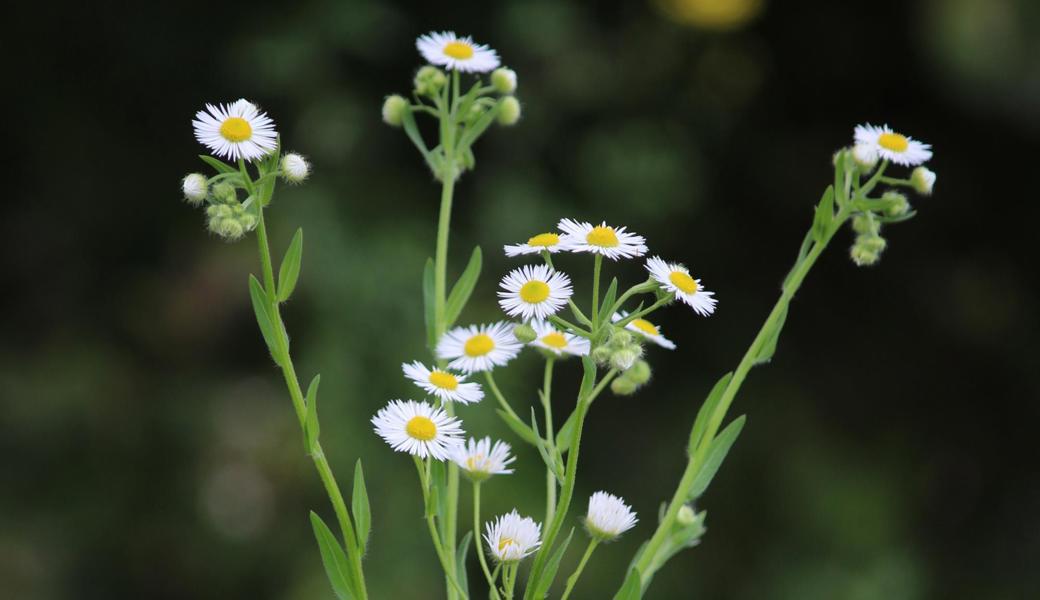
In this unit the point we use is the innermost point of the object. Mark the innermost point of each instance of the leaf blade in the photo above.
(289, 271)
(360, 507)
(717, 452)
(337, 569)
(463, 288)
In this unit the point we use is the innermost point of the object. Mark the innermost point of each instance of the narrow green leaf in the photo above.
(769, 347)
(428, 304)
(289, 271)
(564, 435)
(803, 251)
(337, 569)
(463, 288)
(519, 427)
(460, 562)
(439, 484)
(588, 379)
(263, 318)
(219, 165)
(312, 428)
(824, 215)
(608, 301)
(474, 131)
(704, 414)
(716, 454)
(543, 449)
(632, 588)
(551, 566)
(360, 507)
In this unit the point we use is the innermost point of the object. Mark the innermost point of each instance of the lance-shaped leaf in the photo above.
(608, 301)
(463, 288)
(632, 588)
(704, 414)
(263, 317)
(337, 568)
(519, 427)
(460, 562)
(219, 165)
(824, 215)
(717, 452)
(289, 271)
(551, 566)
(765, 354)
(360, 507)
(312, 429)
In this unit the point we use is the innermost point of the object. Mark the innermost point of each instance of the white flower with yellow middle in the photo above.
(479, 347)
(456, 53)
(676, 279)
(534, 292)
(543, 242)
(646, 329)
(418, 429)
(608, 517)
(892, 146)
(237, 130)
(511, 537)
(611, 242)
(479, 459)
(446, 385)
(559, 342)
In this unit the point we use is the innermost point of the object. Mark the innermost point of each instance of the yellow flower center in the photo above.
(236, 129)
(602, 236)
(421, 428)
(555, 340)
(473, 461)
(683, 281)
(893, 142)
(458, 50)
(544, 240)
(646, 326)
(479, 345)
(445, 381)
(534, 292)
(504, 542)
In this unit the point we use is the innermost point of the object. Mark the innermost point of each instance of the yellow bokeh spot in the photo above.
(555, 340)
(458, 50)
(534, 292)
(602, 236)
(711, 14)
(505, 542)
(646, 326)
(479, 345)
(445, 381)
(544, 239)
(236, 129)
(421, 428)
(893, 142)
(683, 281)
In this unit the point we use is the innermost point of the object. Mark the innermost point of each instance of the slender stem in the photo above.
(646, 286)
(597, 267)
(602, 384)
(642, 313)
(573, 579)
(478, 540)
(550, 478)
(449, 573)
(509, 576)
(498, 395)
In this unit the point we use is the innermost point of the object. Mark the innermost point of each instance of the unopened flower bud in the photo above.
(429, 80)
(865, 156)
(623, 359)
(504, 80)
(687, 516)
(619, 338)
(525, 333)
(874, 243)
(224, 192)
(862, 256)
(865, 223)
(393, 110)
(623, 386)
(195, 188)
(509, 111)
(248, 221)
(601, 354)
(229, 229)
(896, 204)
(295, 168)
(639, 373)
(923, 180)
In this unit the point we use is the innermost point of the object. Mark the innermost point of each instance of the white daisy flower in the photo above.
(447, 386)
(479, 348)
(559, 342)
(675, 278)
(646, 329)
(611, 242)
(235, 131)
(418, 428)
(534, 292)
(511, 537)
(452, 52)
(549, 242)
(480, 460)
(608, 516)
(892, 146)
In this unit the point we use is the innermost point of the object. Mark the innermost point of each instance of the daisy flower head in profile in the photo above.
(558, 342)
(676, 279)
(479, 347)
(534, 292)
(511, 537)
(236, 131)
(891, 146)
(543, 242)
(610, 242)
(446, 386)
(418, 429)
(456, 53)
(646, 329)
(608, 517)
(479, 459)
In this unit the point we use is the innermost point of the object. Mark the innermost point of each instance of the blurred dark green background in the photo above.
(147, 447)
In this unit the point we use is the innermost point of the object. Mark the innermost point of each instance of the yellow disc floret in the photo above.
(646, 326)
(534, 292)
(504, 543)
(544, 240)
(421, 428)
(445, 381)
(683, 281)
(458, 50)
(479, 345)
(603, 237)
(555, 340)
(893, 142)
(236, 129)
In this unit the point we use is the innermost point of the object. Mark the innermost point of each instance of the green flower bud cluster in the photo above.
(869, 243)
(623, 352)
(227, 217)
(524, 333)
(429, 80)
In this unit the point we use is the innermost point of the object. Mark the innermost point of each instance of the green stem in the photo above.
(498, 396)
(597, 267)
(478, 540)
(696, 461)
(550, 478)
(573, 579)
(642, 313)
(431, 524)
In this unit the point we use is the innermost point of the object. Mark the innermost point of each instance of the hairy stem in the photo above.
(573, 579)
